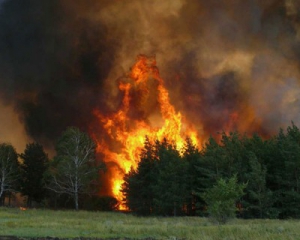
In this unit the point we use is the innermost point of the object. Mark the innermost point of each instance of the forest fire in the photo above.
(230, 66)
(146, 110)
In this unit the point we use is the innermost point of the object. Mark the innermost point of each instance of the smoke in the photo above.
(53, 62)
(12, 131)
(229, 65)
(234, 65)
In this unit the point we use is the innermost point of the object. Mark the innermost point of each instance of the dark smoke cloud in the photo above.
(53, 62)
(242, 55)
(227, 59)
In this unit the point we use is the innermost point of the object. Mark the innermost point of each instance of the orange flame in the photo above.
(145, 111)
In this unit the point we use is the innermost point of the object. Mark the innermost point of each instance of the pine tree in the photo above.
(213, 163)
(290, 153)
(33, 167)
(260, 197)
(192, 157)
(138, 184)
(170, 190)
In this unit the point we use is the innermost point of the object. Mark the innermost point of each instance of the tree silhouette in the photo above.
(33, 167)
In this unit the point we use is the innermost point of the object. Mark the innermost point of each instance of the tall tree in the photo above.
(171, 186)
(159, 184)
(212, 164)
(74, 167)
(235, 160)
(259, 196)
(138, 184)
(192, 157)
(289, 178)
(9, 170)
(33, 167)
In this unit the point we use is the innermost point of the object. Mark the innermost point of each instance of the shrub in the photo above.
(221, 199)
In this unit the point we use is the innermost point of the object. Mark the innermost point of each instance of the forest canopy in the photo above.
(170, 182)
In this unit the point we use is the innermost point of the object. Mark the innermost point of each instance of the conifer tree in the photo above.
(192, 157)
(170, 190)
(33, 167)
(138, 184)
(260, 196)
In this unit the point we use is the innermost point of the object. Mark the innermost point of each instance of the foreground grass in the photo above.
(71, 224)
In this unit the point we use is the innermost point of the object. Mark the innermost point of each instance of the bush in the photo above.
(221, 199)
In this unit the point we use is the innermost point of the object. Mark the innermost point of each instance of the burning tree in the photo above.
(145, 110)
(171, 187)
(159, 184)
(9, 171)
(138, 183)
(74, 167)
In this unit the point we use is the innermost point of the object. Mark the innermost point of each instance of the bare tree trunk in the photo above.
(76, 191)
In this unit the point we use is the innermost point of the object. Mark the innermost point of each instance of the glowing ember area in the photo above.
(145, 110)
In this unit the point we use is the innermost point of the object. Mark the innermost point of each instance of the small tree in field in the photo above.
(9, 170)
(221, 199)
(74, 167)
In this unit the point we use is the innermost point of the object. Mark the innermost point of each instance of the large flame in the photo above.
(145, 110)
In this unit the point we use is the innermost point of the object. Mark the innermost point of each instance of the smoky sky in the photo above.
(60, 60)
(53, 63)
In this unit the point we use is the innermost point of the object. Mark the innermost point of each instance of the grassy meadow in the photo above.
(71, 224)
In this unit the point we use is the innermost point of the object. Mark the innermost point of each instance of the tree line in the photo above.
(174, 182)
(261, 177)
(73, 174)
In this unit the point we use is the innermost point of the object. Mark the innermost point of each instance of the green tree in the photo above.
(221, 199)
(171, 187)
(260, 196)
(75, 167)
(288, 175)
(250, 156)
(213, 167)
(138, 184)
(192, 157)
(158, 185)
(33, 167)
(235, 155)
(209, 168)
(9, 168)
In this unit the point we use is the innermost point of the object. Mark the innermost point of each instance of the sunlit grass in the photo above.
(72, 224)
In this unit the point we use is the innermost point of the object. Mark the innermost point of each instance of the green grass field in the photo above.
(71, 224)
